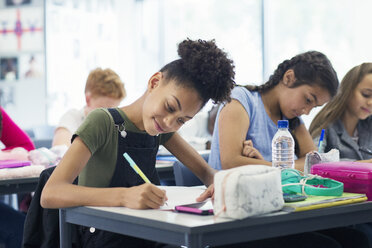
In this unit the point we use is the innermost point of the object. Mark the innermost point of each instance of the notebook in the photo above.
(315, 202)
(13, 163)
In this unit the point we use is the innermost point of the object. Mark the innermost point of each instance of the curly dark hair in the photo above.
(310, 68)
(204, 67)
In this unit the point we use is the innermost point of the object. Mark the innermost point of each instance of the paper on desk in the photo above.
(178, 195)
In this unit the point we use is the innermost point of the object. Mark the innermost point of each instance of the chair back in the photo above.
(184, 177)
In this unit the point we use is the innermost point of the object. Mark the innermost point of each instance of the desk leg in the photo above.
(193, 241)
(64, 230)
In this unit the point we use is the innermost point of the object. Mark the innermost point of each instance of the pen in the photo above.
(321, 140)
(135, 167)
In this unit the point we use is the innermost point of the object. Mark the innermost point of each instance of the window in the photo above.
(235, 25)
(338, 28)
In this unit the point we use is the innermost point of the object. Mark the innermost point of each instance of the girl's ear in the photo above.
(87, 98)
(154, 81)
(289, 78)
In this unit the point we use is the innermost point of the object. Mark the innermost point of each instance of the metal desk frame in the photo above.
(18, 185)
(172, 230)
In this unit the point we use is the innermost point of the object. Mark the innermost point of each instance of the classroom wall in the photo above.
(80, 36)
(136, 38)
(22, 61)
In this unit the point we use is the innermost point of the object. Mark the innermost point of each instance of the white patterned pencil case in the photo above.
(247, 191)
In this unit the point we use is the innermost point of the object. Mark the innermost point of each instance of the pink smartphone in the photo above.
(195, 208)
(13, 163)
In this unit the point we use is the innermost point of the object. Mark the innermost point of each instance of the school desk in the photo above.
(18, 185)
(196, 231)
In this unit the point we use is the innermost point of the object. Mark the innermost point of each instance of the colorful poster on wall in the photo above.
(21, 29)
(17, 2)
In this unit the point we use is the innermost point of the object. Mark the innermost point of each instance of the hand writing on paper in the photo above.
(208, 193)
(250, 151)
(144, 196)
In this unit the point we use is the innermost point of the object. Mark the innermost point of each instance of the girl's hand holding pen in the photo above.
(150, 197)
(144, 196)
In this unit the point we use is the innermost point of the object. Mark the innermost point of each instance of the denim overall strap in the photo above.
(143, 149)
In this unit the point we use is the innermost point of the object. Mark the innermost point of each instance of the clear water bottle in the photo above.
(283, 147)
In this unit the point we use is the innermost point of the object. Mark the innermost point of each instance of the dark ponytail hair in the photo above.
(310, 68)
(204, 67)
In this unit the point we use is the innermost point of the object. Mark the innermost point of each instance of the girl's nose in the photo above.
(169, 121)
(306, 110)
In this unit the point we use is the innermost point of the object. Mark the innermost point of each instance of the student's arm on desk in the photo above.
(60, 192)
(233, 124)
(250, 151)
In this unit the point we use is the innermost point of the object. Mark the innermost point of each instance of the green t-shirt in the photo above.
(99, 134)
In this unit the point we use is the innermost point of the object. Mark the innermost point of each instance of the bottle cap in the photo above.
(283, 124)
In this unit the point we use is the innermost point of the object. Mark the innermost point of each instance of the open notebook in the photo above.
(178, 195)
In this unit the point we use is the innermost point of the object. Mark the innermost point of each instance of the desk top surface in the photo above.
(162, 218)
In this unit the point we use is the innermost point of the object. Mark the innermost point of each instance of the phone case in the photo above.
(194, 209)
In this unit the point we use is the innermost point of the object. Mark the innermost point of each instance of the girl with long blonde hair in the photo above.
(347, 118)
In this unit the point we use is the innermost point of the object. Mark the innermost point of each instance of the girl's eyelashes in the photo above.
(366, 95)
(169, 108)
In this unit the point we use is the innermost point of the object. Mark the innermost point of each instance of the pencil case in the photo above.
(356, 176)
(247, 191)
(317, 158)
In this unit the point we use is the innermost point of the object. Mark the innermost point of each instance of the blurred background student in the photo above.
(103, 89)
(11, 220)
(347, 119)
